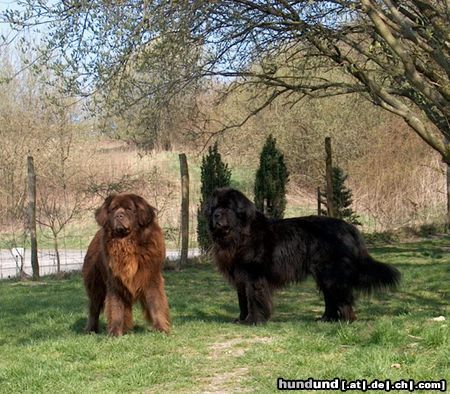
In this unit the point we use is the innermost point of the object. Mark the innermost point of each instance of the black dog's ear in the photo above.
(145, 212)
(245, 209)
(101, 214)
(210, 203)
(207, 208)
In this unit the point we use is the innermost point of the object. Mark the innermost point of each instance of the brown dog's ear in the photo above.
(101, 214)
(145, 212)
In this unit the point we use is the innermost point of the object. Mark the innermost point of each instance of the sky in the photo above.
(4, 26)
(9, 37)
(9, 5)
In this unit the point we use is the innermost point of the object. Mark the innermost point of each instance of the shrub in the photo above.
(342, 197)
(270, 182)
(214, 174)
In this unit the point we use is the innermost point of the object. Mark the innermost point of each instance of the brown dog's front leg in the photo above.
(156, 307)
(115, 314)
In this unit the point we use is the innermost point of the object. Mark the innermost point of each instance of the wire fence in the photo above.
(16, 262)
(110, 169)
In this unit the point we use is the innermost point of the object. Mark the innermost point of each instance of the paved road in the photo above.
(71, 260)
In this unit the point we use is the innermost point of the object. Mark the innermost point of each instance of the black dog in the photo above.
(258, 255)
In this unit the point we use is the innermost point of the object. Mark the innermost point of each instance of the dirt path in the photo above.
(224, 353)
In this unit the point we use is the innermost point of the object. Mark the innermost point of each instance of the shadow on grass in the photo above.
(56, 308)
(226, 314)
(435, 249)
(78, 327)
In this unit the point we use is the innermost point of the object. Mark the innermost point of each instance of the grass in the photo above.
(43, 348)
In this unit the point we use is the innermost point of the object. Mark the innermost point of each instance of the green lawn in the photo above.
(43, 348)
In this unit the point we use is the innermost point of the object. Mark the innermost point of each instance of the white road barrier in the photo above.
(71, 260)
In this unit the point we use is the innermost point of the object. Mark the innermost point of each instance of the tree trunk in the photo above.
(328, 174)
(319, 202)
(184, 172)
(58, 259)
(32, 216)
(448, 196)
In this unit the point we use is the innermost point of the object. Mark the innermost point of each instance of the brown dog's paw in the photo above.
(115, 331)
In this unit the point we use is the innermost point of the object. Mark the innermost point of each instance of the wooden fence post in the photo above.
(329, 177)
(32, 216)
(448, 196)
(319, 202)
(184, 172)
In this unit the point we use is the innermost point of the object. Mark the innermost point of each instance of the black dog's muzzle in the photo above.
(220, 222)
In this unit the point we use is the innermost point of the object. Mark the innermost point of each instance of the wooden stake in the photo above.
(32, 216)
(184, 172)
(329, 170)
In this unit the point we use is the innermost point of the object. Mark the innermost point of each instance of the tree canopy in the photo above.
(395, 53)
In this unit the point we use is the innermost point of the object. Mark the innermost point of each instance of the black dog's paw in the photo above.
(252, 321)
(345, 314)
(241, 319)
(328, 319)
(245, 322)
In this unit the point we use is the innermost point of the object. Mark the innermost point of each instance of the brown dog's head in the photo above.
(123, 213)
(229, 213)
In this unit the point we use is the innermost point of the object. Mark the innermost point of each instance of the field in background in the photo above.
(397, 179)
(156, 177)
(44, 349)
(98, 165)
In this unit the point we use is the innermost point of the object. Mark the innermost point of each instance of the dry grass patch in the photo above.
(226, 376)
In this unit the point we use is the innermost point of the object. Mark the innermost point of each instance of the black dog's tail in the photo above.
(374, 275)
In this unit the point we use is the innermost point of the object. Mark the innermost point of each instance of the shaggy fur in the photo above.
(258, 255)
(123, 264)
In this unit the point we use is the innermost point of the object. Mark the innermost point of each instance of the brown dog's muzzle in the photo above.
(121, 225)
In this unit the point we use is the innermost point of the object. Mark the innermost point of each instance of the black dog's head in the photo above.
(229, 214)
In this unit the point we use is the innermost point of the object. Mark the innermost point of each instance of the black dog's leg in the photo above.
(331, 310)
(345, 301)
(259, 297)
(243, 302)
(335, 282)
(346, 312)
(338, 304)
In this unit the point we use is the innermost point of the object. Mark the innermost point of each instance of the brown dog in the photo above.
(123, 264)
